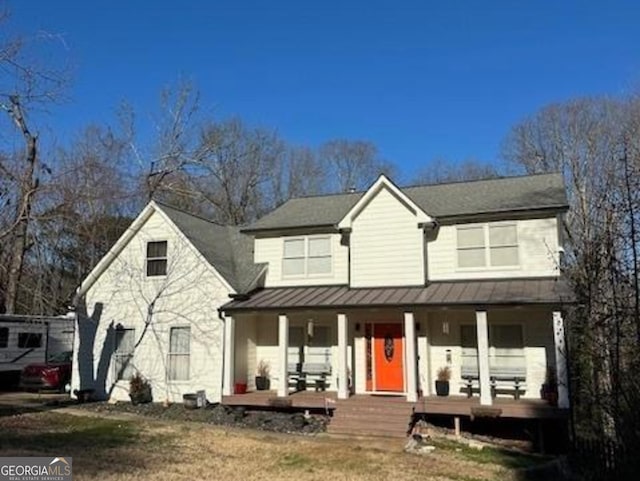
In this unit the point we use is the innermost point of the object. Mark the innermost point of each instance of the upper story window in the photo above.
(306, 256)
(156, 258)
(487, 245)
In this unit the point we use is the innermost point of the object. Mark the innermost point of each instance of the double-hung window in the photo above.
(123, 354)
(306, 256)
(487, 245)
(179, 354)
(156, 258)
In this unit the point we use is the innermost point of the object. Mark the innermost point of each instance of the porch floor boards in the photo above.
(449, 405)
(502, 407)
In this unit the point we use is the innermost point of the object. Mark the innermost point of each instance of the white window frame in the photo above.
(164, 258)
(118, 355)
(487, 246)
(171, 354)
(306, 256)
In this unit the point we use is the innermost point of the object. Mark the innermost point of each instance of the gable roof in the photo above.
(225, 248)
(228, 250)
(458, 199)
(382, 183)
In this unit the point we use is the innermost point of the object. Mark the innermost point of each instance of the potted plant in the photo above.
(139, 390)
(442, 381)
(262, 376)
(549, 390)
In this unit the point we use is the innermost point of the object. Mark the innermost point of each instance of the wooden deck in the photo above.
(450, 405)
(502, 407)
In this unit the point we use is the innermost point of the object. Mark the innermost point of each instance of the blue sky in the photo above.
(421, 79)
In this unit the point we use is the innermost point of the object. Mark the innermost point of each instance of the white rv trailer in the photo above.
(26, 340)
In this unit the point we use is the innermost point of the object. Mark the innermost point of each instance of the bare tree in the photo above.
(233, 167)
(441, 170)
(595, 143)
(24, 84)
(353, 165)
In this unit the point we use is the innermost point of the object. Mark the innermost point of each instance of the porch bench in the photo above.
(516, 375)
(469, 374)
(299, 373)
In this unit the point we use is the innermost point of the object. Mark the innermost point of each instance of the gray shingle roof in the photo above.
(228, 250)
(530, 192)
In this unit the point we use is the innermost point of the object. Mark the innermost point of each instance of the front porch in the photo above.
(394, 342)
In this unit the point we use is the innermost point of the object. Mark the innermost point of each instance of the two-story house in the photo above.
(370, 293)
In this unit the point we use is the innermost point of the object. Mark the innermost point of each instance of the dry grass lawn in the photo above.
(109, 449)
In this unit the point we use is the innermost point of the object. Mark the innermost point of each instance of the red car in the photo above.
(54, 374)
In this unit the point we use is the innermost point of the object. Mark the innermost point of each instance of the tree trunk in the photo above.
(28, 187)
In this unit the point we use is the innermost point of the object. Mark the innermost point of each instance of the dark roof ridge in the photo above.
(427, 184)
(486, 179)
(197, 216)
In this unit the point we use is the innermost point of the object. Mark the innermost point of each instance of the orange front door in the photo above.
(388, 353)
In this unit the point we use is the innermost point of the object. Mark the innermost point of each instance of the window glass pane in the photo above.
(296, 336)
(319, 246)
(4, 337)
(293, 267)
(157, 249)
(319, 265)
(502, 235)
(178, 368)
(156, 268)
(180, 338)
(296, 344)
(471, 258)
(507, 336)
(30, 340)
(470, 237)
(294, 248)
(125, 341)
(504, 256)
(321, 336)
(123, 366)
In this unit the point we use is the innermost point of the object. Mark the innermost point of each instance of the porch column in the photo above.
(283, 355)
(561, 360)
(483, 358)
(343, 357)
(410, 353)
(229, 356)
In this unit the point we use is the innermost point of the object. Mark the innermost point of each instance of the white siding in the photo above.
(387, 246)
(537, 336)
(270, 250)
(538, 252)
(189, 295)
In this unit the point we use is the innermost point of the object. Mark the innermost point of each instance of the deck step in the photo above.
(378, 417)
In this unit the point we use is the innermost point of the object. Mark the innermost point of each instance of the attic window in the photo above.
(156, 258)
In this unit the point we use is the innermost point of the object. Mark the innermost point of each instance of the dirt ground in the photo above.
(130, 447)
